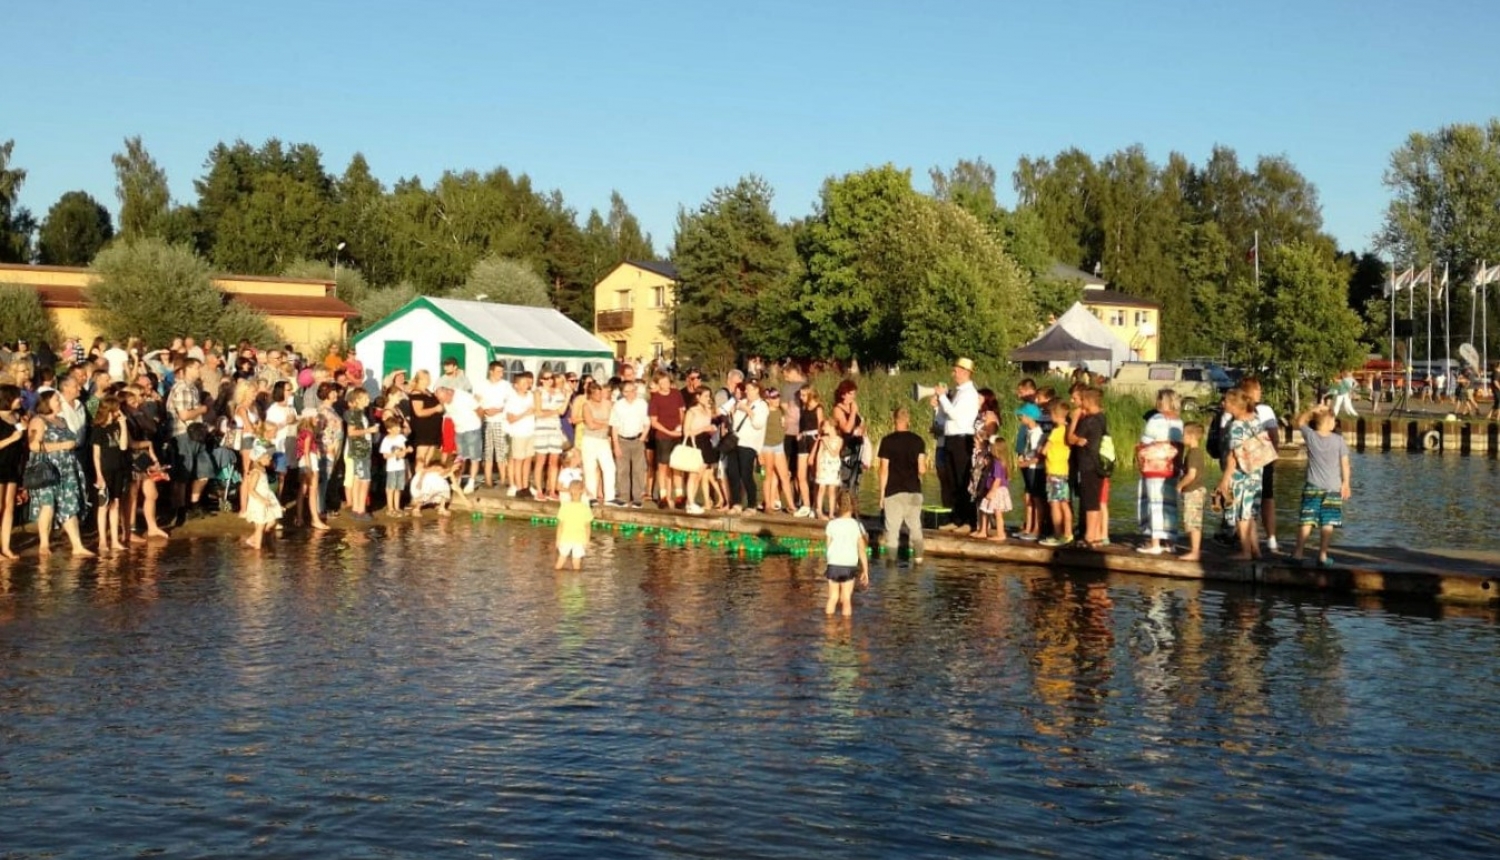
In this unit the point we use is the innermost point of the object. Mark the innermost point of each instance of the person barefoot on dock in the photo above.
(1327, 486)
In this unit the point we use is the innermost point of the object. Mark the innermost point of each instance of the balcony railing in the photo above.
(614, 321)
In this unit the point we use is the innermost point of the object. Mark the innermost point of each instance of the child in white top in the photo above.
(847, 556)
(393, 451)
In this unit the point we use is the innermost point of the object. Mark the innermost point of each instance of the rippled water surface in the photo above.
(437, 690)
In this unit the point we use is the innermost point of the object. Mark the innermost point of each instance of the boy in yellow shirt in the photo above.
(1056, 455)
(573, 520)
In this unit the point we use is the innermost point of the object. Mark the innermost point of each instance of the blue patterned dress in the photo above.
(1244, 487)
(66, 496)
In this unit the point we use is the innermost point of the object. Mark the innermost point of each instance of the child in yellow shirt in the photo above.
(573, 520)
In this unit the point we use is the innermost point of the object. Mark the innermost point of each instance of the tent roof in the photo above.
(1058, 344)
(1082, 324)
(509, 329)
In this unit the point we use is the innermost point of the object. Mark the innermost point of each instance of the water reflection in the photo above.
(418, 687)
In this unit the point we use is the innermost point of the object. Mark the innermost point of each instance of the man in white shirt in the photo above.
(468, 429)
(958, 410)
(628, 423)
(491, 394)
(520, 427)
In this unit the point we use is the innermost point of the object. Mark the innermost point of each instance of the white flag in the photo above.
(1401, 282)
(1443, 284)
(1492, 275)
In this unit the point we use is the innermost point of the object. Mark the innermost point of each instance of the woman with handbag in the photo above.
(1241, 485)
(851, 427)
(12, 458)
(53, 477)
(1157, 457)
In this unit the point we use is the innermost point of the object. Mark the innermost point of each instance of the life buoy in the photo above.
(1432, 440)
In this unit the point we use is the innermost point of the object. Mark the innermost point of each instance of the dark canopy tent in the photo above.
(1056, 344)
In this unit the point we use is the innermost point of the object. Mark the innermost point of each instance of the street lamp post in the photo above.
(336, 249)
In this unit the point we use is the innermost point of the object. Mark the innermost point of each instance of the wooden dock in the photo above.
(1472, 578)
(1413, 432)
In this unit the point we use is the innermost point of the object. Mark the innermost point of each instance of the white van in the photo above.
(1198, 384)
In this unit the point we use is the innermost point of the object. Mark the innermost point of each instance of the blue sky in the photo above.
(667, 100)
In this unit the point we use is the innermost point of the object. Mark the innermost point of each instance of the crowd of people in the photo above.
(142, 438)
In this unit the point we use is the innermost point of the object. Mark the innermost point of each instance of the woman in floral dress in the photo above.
(51, 440)
(1241, 489)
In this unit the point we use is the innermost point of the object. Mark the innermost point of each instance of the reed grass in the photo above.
(880, 393)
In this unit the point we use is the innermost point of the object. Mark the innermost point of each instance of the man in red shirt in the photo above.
(665, 411)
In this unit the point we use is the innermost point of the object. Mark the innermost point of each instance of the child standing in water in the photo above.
(573, 520)
(262, 510)
(1327, 486)
(847, 555)
(393, 451)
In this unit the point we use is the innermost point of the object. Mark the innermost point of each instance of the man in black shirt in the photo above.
(903, 462)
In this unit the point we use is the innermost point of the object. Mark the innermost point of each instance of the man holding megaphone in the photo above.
(957, 412)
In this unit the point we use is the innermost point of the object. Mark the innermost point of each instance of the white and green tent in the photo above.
(428, 330)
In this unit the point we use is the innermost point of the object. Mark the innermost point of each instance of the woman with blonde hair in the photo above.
(809, 425)
(426, 416)
(244, 429)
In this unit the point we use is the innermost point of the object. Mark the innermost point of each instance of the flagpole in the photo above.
(1447, 327)
(1429, 325)
(1257, 259)
(1411, 314)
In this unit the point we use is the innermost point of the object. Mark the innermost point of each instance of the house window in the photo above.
(622, 300)
(1142, 317)
(659, 297)
(1117, 318)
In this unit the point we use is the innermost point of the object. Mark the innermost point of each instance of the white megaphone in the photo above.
(922, 393)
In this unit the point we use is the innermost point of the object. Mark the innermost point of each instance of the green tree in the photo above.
(376, 305)
(505, 282)
(1305, 315)
(16, 222)
(1443, 191)
(141, 186)
(76, 227)
(239, 322)
(728, 253)
(22, 316)
(154, 291)
(885, 269)
(260, 209)
(349, 282)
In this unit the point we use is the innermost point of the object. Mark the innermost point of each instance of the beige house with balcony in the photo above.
(635, 310)
(1135, 321)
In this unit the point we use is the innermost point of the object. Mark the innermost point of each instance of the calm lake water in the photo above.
(435, 689)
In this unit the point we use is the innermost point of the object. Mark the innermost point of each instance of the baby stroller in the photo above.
(227, 476)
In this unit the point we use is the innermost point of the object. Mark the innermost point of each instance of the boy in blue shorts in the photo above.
(1327, 484)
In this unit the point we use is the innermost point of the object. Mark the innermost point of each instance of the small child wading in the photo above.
(1327, 486)
(262, 510)
(573, 521)
(847, 556)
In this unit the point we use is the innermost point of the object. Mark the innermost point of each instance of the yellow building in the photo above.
(635, 310)
(1135, 321)
(305, 311)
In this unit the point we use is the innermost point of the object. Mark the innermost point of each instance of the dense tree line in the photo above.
(880, 271)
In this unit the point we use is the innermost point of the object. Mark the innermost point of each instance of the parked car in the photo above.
(1198, 384)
